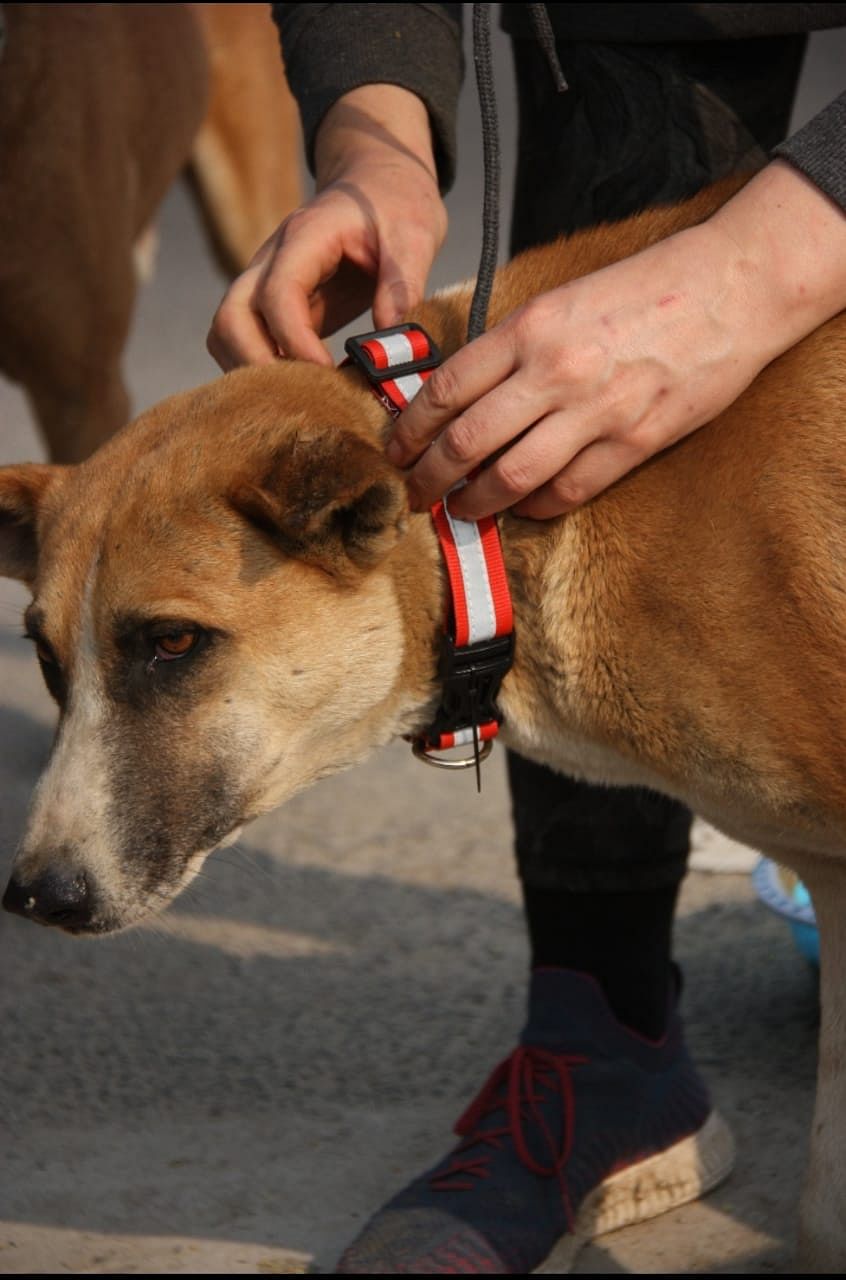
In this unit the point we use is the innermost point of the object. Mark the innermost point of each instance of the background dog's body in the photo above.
(685, 629)
(101, 106)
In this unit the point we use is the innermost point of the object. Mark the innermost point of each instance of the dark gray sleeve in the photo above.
(332, 48)
(819, 150)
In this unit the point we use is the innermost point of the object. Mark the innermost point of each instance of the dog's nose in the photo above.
(55, 897)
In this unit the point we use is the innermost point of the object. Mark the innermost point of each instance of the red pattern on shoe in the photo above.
(521, 1074)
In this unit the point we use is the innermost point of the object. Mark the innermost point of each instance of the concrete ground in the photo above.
(235, 1087)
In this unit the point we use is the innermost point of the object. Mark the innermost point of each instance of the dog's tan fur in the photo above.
(684, 630)
(101, 107)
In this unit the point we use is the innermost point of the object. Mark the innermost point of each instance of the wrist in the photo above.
(374, 124)
(787, 253)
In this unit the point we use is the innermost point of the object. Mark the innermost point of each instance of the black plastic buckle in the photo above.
(470, 678)
(355, 350)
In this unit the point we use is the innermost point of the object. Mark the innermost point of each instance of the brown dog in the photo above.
(230, 601)
(101, 106)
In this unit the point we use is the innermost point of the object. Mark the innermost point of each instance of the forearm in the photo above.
(788, 239)
(334, 49)
(377, 123)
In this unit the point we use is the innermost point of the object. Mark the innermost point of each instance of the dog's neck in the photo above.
(421, 585)
(560, 560)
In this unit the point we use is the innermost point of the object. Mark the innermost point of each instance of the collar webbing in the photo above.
(478, 641)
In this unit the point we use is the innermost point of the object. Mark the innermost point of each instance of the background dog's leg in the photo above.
(822, 1219)
(64, 338)
(77, 420)
(246, 157)
(68, 357)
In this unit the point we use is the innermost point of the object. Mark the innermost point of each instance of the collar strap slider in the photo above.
(393, 353)
(396, 362)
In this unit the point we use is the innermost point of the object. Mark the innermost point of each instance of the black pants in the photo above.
(640, 125)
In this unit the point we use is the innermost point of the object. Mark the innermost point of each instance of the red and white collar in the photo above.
(478, 641)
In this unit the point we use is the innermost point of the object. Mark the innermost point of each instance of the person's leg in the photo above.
(601, 869)
(593, 1121)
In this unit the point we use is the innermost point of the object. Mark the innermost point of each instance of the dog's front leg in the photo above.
(822, 1219)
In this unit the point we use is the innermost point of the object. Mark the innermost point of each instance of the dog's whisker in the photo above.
(242, 864)
(252, 861)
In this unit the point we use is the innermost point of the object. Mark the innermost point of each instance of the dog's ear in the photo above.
(327, 497)
(22, 490)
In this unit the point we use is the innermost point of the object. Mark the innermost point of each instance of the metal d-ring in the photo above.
(424, 753)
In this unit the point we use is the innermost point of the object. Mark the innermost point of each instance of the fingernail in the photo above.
(401, 301)
(393, 452)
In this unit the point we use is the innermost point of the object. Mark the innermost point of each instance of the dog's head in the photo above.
(218, 614)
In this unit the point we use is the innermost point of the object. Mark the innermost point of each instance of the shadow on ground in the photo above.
(272, 1058)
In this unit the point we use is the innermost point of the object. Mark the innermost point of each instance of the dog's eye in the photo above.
(176, 645)
(45, 654)
(50, 668)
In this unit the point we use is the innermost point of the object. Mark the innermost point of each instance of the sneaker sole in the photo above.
(682, 1173)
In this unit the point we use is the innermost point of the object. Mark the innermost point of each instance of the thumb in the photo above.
(393, 300)
(400, 286)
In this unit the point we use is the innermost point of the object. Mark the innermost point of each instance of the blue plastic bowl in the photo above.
(780, 890)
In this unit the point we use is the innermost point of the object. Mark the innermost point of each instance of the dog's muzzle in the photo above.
(55, 897)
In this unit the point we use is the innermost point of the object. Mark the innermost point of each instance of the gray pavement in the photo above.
(236, 1086)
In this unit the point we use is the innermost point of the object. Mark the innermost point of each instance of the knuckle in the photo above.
(514, 478)
(527, 323)
(570, 491)
(537, 320)
(643, 439)
(556, 362)
(265, 295)
(459, 442)
(294, 223)
(578, 365)
(222, 326)
(442, 389)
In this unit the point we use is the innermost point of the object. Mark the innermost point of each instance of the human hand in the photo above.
(584, 383)
(369, 235)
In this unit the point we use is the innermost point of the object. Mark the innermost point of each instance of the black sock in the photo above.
(622, 939)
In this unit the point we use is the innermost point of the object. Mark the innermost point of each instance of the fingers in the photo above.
(533, 460)
(497, 419)
(274, 307)
(304, 257)
(315, 274)
(463, 380)
(238, 334)
(592, 470)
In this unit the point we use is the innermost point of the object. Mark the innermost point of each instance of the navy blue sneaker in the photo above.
(585, 1128)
